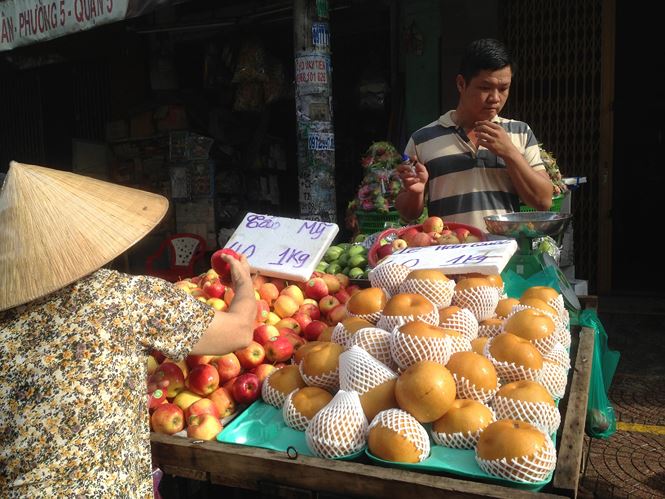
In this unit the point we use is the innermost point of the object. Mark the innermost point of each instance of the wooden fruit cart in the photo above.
(274, 473)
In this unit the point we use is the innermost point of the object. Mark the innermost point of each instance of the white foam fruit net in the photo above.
(293, 418)
(467, 390)
(340, 334)
(271, 395)
(563, 337)
(407, 350)
(559, 354)
(489, 330)
(406, 425)
(482, 301)
(509, 371)
(457, 344)
(460, 440)
(360, 372)
(388, 322)
(528, 469)
(463, 321)
(438, 292)
(554, 377)
(376, 342)
(539, 414)
(388, 276)
(559, 305)
(328, 380)
(339, 429)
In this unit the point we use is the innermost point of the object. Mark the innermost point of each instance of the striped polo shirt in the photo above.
(466, 184)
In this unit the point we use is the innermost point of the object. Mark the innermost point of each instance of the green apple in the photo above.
(322, 266)
(332, 253)
(357, 249)
(333, 268)
(359, 238)
(356, 273)
(358, 261)
(343, 259)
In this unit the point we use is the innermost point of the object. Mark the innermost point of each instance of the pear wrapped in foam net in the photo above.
(388, 276)
(509, 371)
(539, 414)
(271, 395)
(545, 344)
(407, 426)
(328, 380)
(466, 389)
(458, 439)
(527, 469)
(339, 429)
(437, 291)
(481, 300)
(463, 321)
(293, 418)
(554, 377)
(376, 342)
(563, 337)
(388, 322)
(341, 334)
(406, 349)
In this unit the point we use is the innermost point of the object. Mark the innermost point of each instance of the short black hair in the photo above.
(485, 54)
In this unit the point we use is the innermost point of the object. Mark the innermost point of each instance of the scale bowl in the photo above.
(528, 223)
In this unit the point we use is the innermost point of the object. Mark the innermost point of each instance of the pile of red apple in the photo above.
(196, 394)
(433, 231)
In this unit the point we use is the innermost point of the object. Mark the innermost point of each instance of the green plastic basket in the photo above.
(556, 204)
(370, 222)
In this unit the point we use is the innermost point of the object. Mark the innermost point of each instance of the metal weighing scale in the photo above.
(525, 227)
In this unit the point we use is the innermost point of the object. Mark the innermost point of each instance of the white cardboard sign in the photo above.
(485, 257)
(282, 247)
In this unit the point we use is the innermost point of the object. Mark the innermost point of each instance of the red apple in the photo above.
(262, 310)
(290, 323)
(433, 224)
(246, 388)
(279, 349)
(384, 251)
(217, 304)
(327, 303)
(332, 282)
(219, 265)
(268, 292)
(169, 377)
(264, 333)
(168, 418)
(156, 398)
(314, 329)
(228, 366)
(152, 364)
(342, 295)
(316, 288)
(296, 340)
(195, 360)
(408, 234)
(343, 280)
(337, 314)
(223, 401)
(303, 319)
(200, 407)
(461, 234)
(311, 309)
(251, 356)
(262, 371)
(295, 292)
(214, 288)
(228, 385)
(279, 283)
(159, 356)
(352, 289)
(203, 379)
(204, 427)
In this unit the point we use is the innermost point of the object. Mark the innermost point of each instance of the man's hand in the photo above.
(492, 136)
(414, 177)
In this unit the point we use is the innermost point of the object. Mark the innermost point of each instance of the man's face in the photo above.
(485, 94)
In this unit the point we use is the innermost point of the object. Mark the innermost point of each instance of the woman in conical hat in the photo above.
(75, 337)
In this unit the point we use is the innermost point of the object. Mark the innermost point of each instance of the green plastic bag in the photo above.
(600, 419)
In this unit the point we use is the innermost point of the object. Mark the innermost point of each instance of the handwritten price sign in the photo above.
(486, 257)
(282, 247)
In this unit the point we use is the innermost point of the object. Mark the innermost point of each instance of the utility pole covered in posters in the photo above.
(314, 119)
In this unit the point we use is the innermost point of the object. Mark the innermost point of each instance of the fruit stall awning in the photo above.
(25, 22)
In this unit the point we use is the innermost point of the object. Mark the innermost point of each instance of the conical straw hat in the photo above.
(56, 227)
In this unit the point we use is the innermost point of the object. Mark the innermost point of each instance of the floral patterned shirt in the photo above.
(73, 402)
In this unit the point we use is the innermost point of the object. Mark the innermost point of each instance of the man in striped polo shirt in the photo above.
(473, 162)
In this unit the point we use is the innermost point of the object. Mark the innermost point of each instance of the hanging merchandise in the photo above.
(377, 191)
